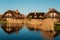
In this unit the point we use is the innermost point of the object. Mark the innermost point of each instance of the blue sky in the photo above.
(26, 6)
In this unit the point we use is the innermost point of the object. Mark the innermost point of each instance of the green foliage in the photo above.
(3, 21)
(57, 23)
(57, 26)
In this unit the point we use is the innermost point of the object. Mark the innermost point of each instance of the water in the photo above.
(21, 32)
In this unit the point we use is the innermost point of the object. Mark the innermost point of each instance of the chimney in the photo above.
(51, 9)
(35, 13)
(16, 11)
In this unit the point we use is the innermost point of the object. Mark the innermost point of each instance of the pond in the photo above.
(21, 32)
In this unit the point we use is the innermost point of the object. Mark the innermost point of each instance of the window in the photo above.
(55, 14)
(30, 16)
(51, 14)
(55, 19)
(35, 16)
(8, 14)
(40, 16)
(8, 29)
(19, 15)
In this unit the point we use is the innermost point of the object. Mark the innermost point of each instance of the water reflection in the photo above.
(27, 32)
(33, 26)
(47, 35)
(11, 27)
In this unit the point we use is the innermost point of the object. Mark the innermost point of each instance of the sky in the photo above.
(27, 6)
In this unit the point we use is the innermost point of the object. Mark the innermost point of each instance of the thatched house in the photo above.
(53, 14)
(12, 16)
(36, 15)
(35, 19)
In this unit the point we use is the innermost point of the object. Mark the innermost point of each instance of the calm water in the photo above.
(20, 32)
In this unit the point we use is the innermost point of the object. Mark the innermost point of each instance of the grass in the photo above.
(3, 21)
(57, 26)
(57, 23)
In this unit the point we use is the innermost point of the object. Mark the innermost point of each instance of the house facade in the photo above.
(35, 17)
(53, 14)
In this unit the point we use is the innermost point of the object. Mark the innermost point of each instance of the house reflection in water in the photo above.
(33, 27)
(9, 28)
(48, 35)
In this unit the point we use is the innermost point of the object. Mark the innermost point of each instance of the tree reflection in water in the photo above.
(11, 27)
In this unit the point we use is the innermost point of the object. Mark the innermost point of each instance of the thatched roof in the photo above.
(52, 11)
(37, 15)
(14, 14)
